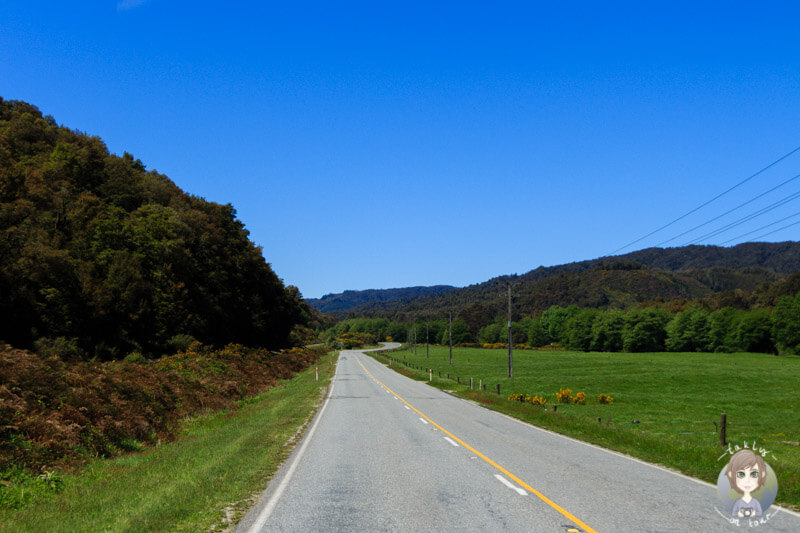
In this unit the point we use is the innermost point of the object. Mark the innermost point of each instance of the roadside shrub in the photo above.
(19, 487)
(604, 398)
(135, 357)
(62, 347)
(58, 413)
(538, 401)
(180, 342)
(352, 339)
(564, 395)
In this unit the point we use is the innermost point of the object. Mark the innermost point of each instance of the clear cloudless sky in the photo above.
(378, 145)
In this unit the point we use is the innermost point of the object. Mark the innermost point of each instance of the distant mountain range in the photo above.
(741, 276)
(343, 302)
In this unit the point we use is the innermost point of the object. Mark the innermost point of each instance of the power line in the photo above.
(777, 230)
(746, 218)
(762, 227)
(730, 210)
(709, 201)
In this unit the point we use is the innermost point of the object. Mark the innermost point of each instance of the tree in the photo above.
(490, 334)
(688, 330)
(460, 333)
(553, 321)
(537, 336)
(754, 332)
(577, 331)
(722, 330)
(607, 331)
(645, 330)
(786, 326)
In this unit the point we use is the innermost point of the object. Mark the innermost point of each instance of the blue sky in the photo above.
(369, 145)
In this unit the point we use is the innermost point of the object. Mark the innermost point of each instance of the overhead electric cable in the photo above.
(777, 230)
(709, 201)
(746, 218)
(759, 229)
(730, 210)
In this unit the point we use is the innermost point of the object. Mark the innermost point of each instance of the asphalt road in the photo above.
(386, 453)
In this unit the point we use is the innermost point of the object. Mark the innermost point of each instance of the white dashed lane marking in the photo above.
(507, 483)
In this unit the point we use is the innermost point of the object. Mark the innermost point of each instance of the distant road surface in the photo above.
(386, 453)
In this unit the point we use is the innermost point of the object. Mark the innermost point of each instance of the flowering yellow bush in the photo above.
(605, 398)
(564, 395)
(538, 401)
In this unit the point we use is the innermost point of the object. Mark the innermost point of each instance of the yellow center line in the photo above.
(541, 496)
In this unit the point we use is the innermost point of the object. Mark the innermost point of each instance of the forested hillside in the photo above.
(333, 303)
(742, 277)
(101, 257)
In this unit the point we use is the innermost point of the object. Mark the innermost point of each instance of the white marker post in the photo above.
(316, 373)
(430, 375)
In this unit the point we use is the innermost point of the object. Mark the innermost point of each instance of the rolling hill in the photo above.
(342, 302)
(739, 276)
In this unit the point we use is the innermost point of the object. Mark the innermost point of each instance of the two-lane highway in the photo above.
(386, 453)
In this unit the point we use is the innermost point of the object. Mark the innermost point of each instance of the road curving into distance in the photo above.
(387, 453)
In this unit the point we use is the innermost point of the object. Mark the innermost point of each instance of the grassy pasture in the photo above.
(202, 482)
(675, 397)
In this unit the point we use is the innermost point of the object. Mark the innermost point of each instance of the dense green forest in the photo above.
(678, 326)
(100, 257)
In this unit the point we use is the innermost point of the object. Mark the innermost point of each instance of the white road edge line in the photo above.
(423, 420)
(507, 483)
(451, 441)
(263, 516)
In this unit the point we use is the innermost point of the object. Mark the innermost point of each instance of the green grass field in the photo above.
(201, 482)
(675, 397)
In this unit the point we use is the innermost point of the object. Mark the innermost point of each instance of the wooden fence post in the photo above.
(723, 429)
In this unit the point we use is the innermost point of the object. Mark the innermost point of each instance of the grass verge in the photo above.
(204, 481)
(666, 407)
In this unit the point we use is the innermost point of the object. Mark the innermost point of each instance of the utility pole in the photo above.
(451, 338)
(510, 342)
(427, 351)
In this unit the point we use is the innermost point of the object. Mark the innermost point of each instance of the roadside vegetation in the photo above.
(665, 407)
(203, 480)
(55, 415)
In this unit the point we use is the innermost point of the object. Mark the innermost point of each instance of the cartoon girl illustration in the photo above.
(746, 473)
